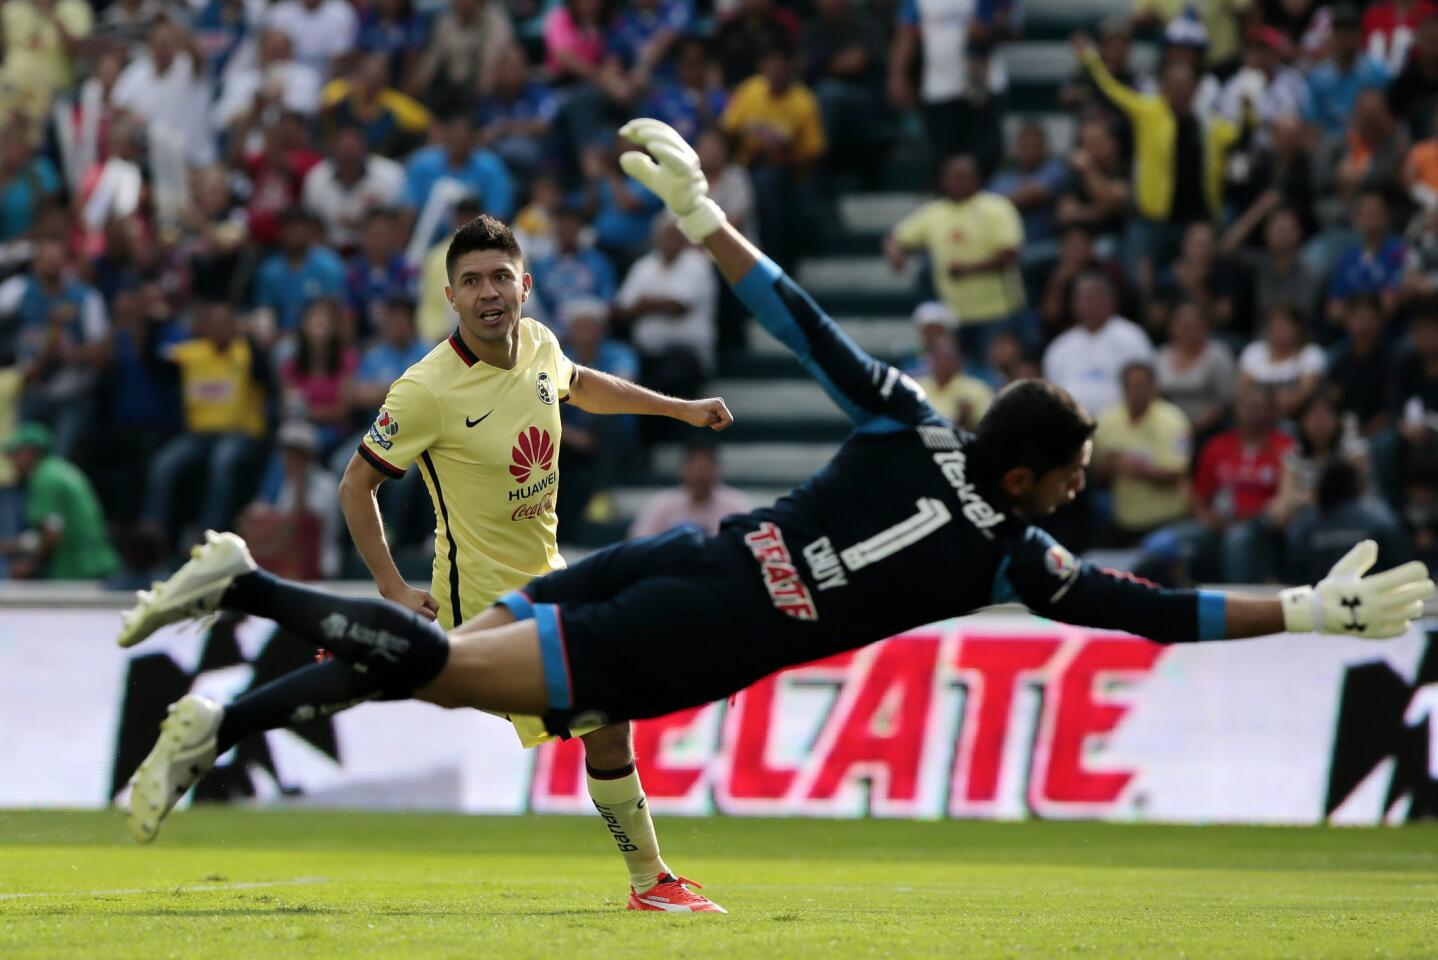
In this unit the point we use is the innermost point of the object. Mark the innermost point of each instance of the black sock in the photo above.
(398, 647)
(314, 690)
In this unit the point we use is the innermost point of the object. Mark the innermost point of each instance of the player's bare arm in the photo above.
(601, 393)
(362, 516)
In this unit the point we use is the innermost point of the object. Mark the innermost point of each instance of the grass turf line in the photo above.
(411, 886)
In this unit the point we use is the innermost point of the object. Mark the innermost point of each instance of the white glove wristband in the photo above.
(702, 220)
(1302, 610)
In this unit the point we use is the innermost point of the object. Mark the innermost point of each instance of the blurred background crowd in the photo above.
(222, 226)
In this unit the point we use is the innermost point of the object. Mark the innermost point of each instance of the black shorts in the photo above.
(644, 628)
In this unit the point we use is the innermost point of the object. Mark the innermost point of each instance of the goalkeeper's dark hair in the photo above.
(1032, 424)
(482, 233)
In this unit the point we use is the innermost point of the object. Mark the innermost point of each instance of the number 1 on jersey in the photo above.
(932, 514)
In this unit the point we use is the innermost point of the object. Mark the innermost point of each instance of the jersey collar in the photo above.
(462, 348)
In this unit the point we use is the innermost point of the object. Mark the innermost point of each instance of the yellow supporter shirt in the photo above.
(967, 233)
(434, 317)
(11, 381)
(36, 64)
(1160, 436)
(794, 117)
(219, 388)
(964, 399)
(487, 443)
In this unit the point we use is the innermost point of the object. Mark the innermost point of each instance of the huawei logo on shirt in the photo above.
(533, 449)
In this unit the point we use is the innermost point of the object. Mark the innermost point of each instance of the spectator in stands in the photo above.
(779, 136)
(393, 122)
(41, 40)
(141, 400)
(1221, 24)
(322, 32)
(273, 81)
(1096, 195)
(1087, 359)
(458, 157)
(1369, 159)
(961, 398)
(299, 273)
(459, 64)
(702, 498)
(166, 85)
(533, 225)
(393, 28)
(575, 35)
(65, 537)
(221, 27)
(1033, 184)
(60, 327)
(1411, 447)
(1215, 282)
(1079, 94)
(1178, 158)
(1372, 266)
(934, 323)
(1284, 362)
(125, 23)
(1322, 438)
(595, 448)
(623, 211)
(1277, 174)
(28, 181)
(640, 39)
(1196, 371)
(1340, 517)
(1420, 174)
(516, 119)
(694, 99)
(346, 186)
(1280, 274)
(1237, 477)
(293, 530)
(277, 174)
(747, 31)
(1413, 95)
(1076, 256)
(213, 246)
(668, 301)
(841, 57)
(1360, 365)
(1388, 28)
(316, 377)
(1142, 447)
(729, 183)
(378, 272)
(1334, 84)
(973, 239)
(396, 348)
(1266, 88)
(224, 381)
(575, 270)
(961, 80)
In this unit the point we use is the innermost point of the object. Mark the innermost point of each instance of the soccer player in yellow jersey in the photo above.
(480, 416)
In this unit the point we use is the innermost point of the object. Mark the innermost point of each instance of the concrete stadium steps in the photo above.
(786, 400)
(628, 501)
(888, 338)
(751, 465)
(862, 286)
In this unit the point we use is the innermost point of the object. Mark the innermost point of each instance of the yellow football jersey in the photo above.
(487, 444)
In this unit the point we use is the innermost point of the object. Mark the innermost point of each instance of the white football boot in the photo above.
(191, 591)
(184, 753)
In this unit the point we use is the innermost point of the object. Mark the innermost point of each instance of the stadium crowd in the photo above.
(222, 226)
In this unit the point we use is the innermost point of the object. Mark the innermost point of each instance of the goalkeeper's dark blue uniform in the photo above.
(889, 535)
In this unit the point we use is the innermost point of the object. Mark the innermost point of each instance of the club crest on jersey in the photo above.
(1060, 562)
(545, 387)
(383, 430)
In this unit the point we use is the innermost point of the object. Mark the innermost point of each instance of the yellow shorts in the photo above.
(531, 732)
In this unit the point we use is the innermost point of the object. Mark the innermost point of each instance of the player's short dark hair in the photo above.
(1033, 424)
(482, 233)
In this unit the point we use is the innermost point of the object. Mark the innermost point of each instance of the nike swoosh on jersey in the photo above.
(474, 423)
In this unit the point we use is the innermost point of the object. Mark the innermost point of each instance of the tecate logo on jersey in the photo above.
(788, 593)
(954, 466)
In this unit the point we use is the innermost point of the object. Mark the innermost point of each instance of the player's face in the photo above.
(1059, 486)
(488, 291)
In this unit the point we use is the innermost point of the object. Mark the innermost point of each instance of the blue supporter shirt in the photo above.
(20, 200)
(1359, 272)
(686, 110)
(564, 277)
(1332, 92)
(621, 229)
(633, 28)
(535, 102)
(386, 363)
(287, 289)
(1038, 221)
(139, 397)
(393, 39)
(485, 174)
(370, 287)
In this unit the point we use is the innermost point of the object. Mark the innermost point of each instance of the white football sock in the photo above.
(620, 801)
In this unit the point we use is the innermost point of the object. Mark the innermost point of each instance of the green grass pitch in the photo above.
(223, 883)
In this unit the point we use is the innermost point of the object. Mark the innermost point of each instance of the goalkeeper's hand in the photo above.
(1347, 602)
(669, 167)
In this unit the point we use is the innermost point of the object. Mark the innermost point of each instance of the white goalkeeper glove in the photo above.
(669, 167)
(1347, 602)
